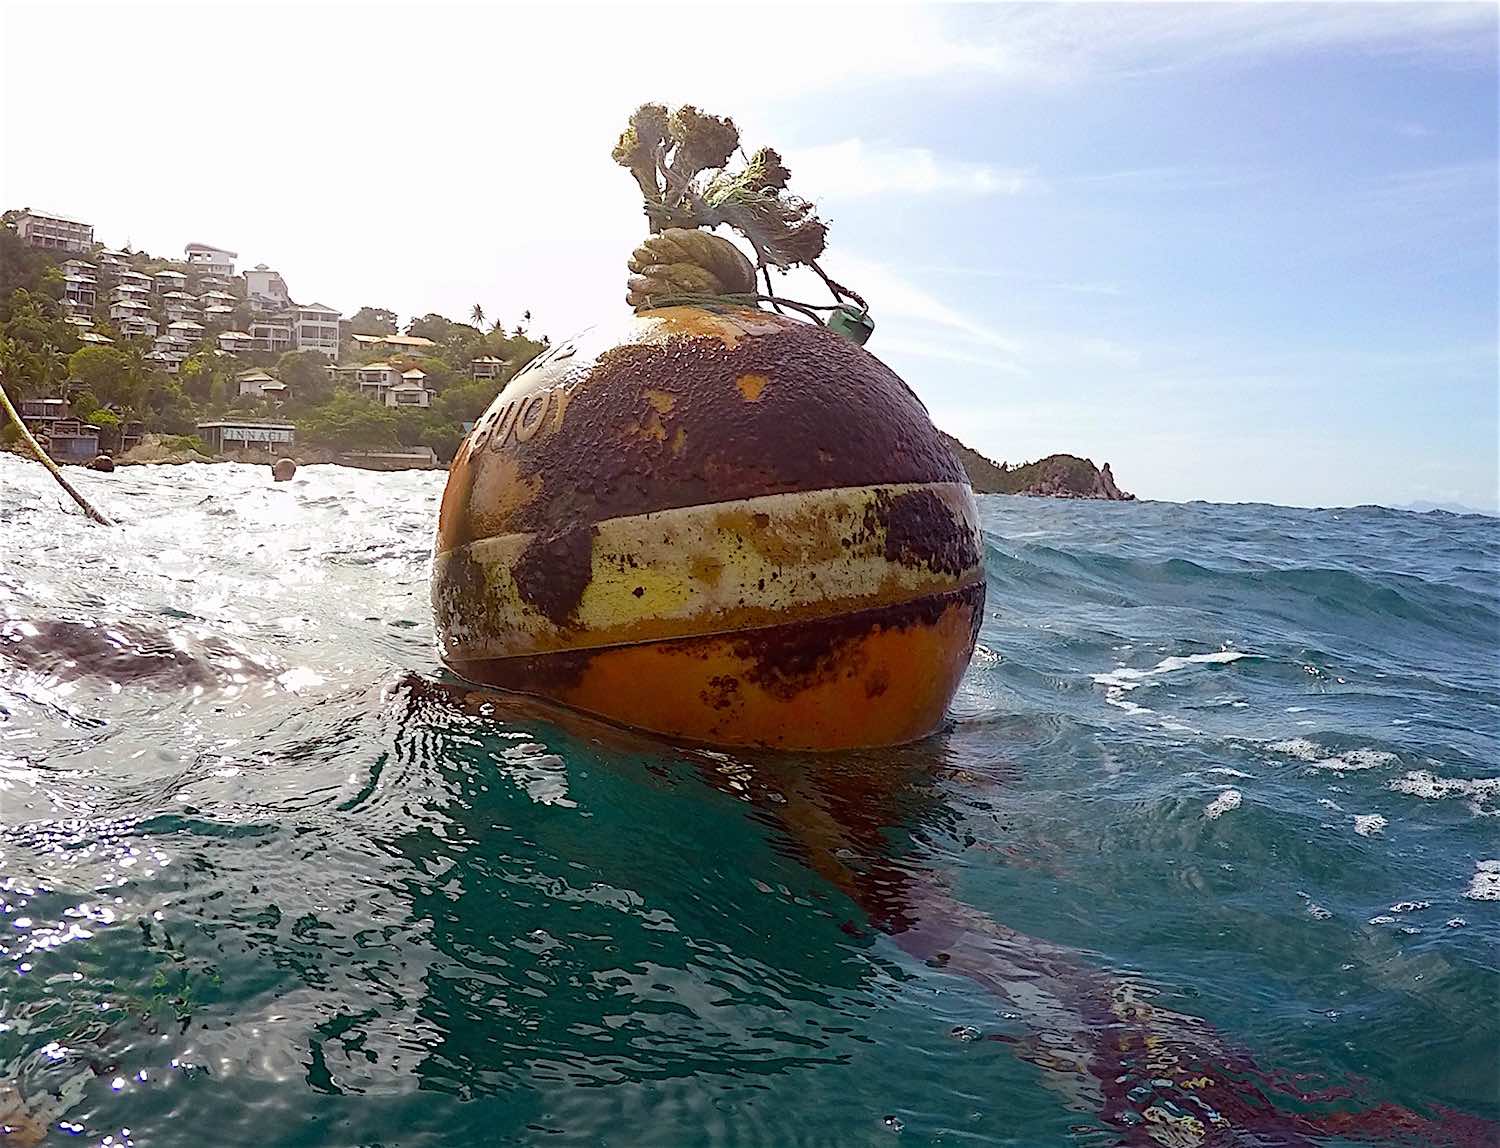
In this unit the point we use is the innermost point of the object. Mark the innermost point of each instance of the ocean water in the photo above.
(1208, 853)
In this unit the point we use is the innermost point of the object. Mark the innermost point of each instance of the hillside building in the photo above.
(54, 232)
(213, 260)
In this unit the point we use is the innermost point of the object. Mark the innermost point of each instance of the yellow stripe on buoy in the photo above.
(700, 570)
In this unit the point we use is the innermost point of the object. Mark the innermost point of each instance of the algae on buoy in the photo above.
(717, 522)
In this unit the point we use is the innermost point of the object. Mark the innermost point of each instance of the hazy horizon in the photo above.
(1243, 254)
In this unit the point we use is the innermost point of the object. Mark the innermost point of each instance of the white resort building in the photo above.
(52, 231)
(406, 344)
(122, 309)
(133, 325)
(260, 384)
(374, 379)
(318, 328)
(186, 330)
(266, 290)
(271, 333)
(214, 260)
(410, 391)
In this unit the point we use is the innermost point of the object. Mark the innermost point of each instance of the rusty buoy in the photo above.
(283, 470)
(724, 525)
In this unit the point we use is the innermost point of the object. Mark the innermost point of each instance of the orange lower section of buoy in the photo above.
(877, 677)
(728, 527)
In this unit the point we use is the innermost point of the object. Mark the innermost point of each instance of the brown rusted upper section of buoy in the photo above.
(688, 407)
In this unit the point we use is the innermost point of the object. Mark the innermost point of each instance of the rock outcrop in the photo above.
(1056, 476)
(155, 448)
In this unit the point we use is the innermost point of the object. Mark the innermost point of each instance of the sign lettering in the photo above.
(521, 420)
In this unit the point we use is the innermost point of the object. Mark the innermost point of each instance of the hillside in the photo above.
(1056, 476)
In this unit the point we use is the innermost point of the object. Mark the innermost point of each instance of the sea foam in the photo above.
(1351, 760)
(1128, 678)
(1227, 800)
(1485, 884)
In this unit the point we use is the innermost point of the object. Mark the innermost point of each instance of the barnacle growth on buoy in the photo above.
(719, 522)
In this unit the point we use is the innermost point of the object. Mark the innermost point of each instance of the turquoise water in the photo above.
(1215, 804)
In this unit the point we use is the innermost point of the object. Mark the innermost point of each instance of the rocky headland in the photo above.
(1056, 476)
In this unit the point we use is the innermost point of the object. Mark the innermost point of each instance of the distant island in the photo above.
(1056, 476)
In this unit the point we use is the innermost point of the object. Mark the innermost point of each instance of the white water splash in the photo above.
(1227, 800)
(1118, 682)
(1298, 747)
(1427, 785)
(1485, 885)
(1350, 761)
(1369, 824)
(1127, 678)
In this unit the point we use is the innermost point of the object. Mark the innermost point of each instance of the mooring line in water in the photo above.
(41, 457)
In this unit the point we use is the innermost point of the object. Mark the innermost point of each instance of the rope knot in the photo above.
(684, 262)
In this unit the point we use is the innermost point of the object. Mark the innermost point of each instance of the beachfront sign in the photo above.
(257, 434)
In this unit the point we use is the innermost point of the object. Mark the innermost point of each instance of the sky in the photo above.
(1240, 253)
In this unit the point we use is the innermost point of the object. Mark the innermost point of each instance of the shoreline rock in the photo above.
(1056, 476)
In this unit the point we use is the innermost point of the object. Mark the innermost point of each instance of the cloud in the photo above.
(853, 168)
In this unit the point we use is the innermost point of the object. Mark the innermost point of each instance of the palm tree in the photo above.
(477, 315)
(53, 364)
(498, 325)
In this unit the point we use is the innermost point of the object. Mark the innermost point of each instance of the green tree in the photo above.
(199, 373)
(84, 404)
(373, 321)
(430, 326)
(467, 401)
(305, 374)
(168, 408)
(52, 369)
(109, 428)
(109, 374)
(350, 422)
(444, 439)
(52, 283)
(439, 373)
(428, 428)
(20, 266)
